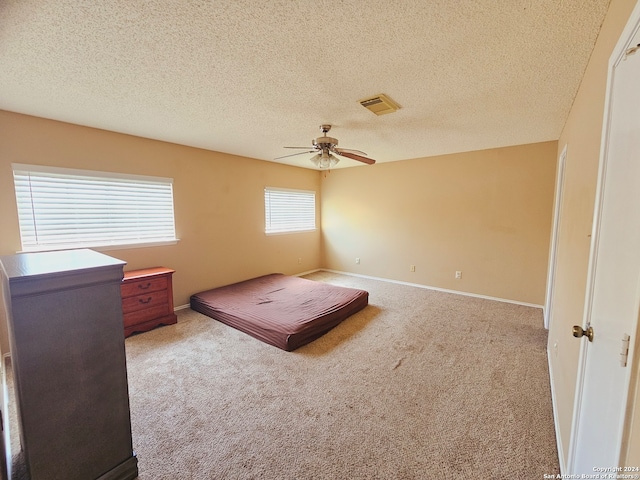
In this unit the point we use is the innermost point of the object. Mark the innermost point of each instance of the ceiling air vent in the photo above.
(380, 104)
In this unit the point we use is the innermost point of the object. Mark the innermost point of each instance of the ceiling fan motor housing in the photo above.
(325, 142)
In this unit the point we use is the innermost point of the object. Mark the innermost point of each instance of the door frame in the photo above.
(551, 274)
(618, 53)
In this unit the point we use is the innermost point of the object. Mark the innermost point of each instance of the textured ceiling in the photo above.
(248, 77)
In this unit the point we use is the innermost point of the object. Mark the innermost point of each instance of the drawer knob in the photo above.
(141, 300)
(144, 287)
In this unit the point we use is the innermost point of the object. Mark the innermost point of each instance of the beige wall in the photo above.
(486, 214)
(219, 201)
(581, 134)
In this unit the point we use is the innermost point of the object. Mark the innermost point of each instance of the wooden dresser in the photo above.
(64, 317)
(147, 299)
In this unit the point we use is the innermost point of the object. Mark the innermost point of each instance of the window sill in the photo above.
(103, 248)
(291, 231)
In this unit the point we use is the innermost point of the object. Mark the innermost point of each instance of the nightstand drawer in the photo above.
(146, 285)
(132, 319)
(144, 301)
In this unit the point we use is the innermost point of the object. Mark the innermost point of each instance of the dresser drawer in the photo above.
(144, 301)
(145, 285)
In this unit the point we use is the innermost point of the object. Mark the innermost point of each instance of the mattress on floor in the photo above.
(281, 310)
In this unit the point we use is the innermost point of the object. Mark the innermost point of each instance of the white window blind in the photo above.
(62, 208)
(289, 210)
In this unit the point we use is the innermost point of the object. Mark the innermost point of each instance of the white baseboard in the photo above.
(419, 285)
(307, 272)
(555, 416)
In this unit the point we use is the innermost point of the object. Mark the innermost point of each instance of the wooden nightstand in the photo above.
(147, 299)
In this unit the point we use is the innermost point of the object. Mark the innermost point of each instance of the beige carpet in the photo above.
(418, 385)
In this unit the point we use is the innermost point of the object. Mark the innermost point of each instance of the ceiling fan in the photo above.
(324, 147)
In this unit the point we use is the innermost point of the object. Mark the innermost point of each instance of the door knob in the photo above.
(579, 332)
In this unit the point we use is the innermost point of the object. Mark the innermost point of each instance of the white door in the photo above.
(614, 273)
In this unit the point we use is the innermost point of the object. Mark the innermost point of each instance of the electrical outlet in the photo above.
(299, 260)
(412, 268)
(358, 260)
(458, 274)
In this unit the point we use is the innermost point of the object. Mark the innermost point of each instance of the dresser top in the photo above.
(43, 272)
(47, 263)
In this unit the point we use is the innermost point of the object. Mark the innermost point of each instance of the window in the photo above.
(62, 208)
(289, 210)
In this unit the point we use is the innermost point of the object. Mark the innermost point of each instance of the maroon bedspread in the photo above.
(284, 311)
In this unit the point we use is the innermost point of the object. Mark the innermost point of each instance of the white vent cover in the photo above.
(380, 104)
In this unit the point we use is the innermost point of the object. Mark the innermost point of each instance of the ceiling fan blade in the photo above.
(307, 148)
(294, 154)
(353, 156)
(349, 150)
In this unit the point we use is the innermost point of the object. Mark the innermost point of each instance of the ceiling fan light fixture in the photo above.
(324, 160)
